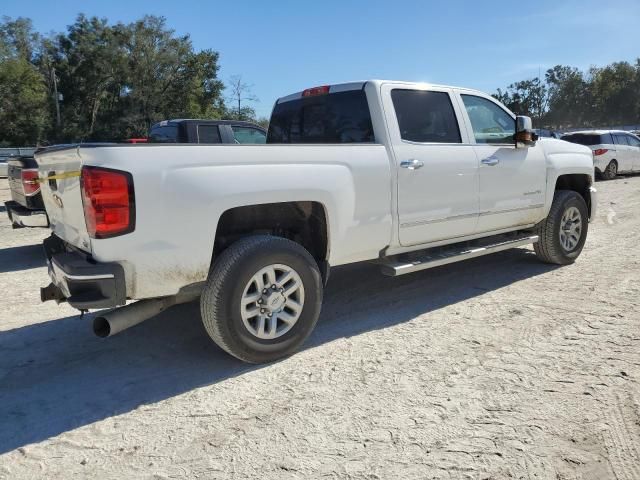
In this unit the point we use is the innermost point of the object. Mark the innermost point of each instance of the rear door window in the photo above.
(633, 141)
(491, 124)
(248, 135)
(425, 116)
(208, 134)
(620, 139)
(341, 117)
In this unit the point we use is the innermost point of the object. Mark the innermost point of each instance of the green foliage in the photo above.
(24, 113)
(527, 97)
(113, 81)
(23, 107)
(17, 38)
(166, 78)
(615, 93)
(569, 97)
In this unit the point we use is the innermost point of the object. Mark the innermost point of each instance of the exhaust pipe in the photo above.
(119, 319)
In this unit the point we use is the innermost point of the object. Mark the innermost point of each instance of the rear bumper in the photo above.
(601, 162)
(80, 281)
(24, 217)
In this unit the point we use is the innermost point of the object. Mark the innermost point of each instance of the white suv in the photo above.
(614, 151)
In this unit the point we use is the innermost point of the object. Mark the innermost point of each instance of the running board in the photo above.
(393, 267)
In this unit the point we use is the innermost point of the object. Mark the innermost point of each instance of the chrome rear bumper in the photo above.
(24, 217)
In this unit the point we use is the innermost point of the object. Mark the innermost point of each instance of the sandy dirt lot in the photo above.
(500, 367)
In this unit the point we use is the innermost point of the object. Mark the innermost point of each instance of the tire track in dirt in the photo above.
(622, 440)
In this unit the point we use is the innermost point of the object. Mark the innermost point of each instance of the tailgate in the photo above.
(14, 175)
(61, 194)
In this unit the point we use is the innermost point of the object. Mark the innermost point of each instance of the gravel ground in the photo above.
(500, 367)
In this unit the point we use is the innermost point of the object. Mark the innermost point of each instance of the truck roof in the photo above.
(347, 86)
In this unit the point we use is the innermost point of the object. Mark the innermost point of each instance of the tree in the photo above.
(615, 93)
(17, 38)
(117, 80)
(90, 62)
(166, 78)
(23, 103)
(23, 93)
(569, 97)
(114, 81)
(527, 97)
(241, 92)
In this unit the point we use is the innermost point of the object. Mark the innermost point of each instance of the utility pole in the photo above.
(56, 96)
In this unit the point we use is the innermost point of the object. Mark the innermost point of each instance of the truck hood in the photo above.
(554, 145)
(563, 155)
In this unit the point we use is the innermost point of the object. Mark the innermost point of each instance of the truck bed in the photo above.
(181, 191)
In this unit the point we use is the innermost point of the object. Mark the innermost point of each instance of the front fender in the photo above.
(564, 158)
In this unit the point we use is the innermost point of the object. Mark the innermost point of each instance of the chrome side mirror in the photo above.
(525, 136)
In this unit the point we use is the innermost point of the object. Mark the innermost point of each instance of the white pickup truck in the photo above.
(406, 175)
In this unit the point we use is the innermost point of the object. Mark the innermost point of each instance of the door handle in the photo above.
(491, 161)
(412, 164)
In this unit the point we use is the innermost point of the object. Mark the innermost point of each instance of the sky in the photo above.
(281, 47)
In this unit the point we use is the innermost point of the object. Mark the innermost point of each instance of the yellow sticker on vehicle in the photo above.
(60, 176)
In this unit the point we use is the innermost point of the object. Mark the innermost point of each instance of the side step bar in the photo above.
(393, 267)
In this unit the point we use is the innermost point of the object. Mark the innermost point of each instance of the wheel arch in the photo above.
(304, 222)
(577, 182)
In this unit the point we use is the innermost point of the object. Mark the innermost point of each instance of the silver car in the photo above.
(614, 151)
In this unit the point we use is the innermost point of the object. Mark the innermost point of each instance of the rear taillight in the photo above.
(108, 199)
(30, 183)
(599, 151)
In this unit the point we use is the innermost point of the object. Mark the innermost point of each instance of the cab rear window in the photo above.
(341, 117)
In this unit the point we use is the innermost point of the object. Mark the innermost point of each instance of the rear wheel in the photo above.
(611, 171)
(262, 298)
(564, 231)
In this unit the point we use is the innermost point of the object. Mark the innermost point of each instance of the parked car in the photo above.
(7, 153)
(614, 151)
(26, 208)
(207, 131)
(404, 175)
(544, 132)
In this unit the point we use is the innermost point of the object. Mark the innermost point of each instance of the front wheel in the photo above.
(262, 298)
(563, 233)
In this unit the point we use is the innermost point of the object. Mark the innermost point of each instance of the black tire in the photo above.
(549, 248)
(221, 298)
(611, 171)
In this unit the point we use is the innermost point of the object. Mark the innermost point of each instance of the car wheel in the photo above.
(262, 298)
(611, 171)
(563, 233)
